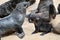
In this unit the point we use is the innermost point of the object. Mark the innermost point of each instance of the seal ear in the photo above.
(52, 11)
(58, 8)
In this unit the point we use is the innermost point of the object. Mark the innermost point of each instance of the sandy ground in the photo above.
(29, 27)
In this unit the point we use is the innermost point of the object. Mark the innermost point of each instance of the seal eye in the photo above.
(25, 5)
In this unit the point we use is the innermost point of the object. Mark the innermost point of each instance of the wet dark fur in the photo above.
(7, 7)
(52, 11)
(40, 24)
(43, 9)
(31, 1)
(14, 21)
(58, 9)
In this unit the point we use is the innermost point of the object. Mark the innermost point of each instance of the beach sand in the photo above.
(29, 27)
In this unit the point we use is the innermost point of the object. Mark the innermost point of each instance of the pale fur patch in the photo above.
(55, 22)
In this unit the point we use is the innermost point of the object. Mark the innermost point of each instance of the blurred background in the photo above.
(29, 27)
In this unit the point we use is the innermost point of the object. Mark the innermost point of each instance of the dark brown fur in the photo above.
(7, 7)
(43, 9)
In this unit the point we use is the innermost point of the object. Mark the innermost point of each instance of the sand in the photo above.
(29, 27)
